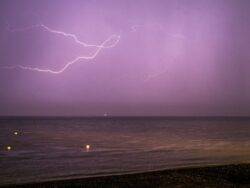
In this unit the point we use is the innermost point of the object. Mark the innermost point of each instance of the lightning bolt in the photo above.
(156, 26)
(103, 45)
(153, 76)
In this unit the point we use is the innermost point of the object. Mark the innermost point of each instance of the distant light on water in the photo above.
(15, 133)
(9, 148)
(87, 147)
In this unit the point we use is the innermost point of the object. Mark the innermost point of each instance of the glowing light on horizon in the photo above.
(104, 45)
(87, 147)
(15, 133)
(9, 148)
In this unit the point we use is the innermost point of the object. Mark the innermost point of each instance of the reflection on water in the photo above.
(43, 149)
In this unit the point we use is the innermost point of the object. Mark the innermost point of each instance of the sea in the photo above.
(36, 149)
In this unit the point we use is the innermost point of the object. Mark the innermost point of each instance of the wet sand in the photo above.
(234, 175)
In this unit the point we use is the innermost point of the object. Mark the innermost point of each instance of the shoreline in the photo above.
(228, 175)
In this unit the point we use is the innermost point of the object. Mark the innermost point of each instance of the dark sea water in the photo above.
(55, 148)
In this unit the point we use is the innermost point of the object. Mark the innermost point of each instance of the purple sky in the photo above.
(172, 58)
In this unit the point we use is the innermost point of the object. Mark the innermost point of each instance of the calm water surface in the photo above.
(46, 149)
